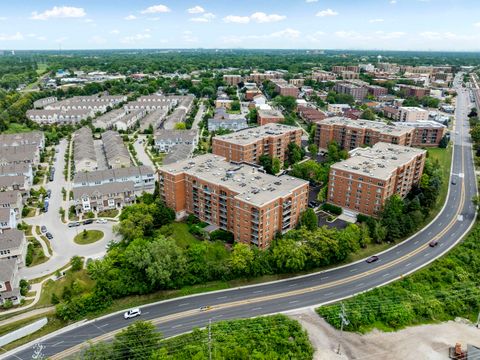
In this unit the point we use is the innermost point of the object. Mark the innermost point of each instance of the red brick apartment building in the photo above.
(414, 91)
(358, 92)
(232, 80)
(286, 90)
(269, 116)
(339, 69)
(350, 134)
(362, 183)
(377, 91)
(310, 114)
(425, 133)
(239, 198)
(248, 145)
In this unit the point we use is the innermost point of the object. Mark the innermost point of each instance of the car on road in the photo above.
(312, 204)
(73, 224)
(372, 259)
(433, 243)
(454, 180)
(132, 313)
(49, 193)
(205, 308)
(43, 229)
(88, 221)
(101, 221)
(49, 236)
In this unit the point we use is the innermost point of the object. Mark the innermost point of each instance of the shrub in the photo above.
(7, 304)
(221, 235)
(332, 209)
(77, 263)
(24, 286)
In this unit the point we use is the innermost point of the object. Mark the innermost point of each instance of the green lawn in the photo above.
(17, 128)
(88, 237)
(108, 213)
(36, 252)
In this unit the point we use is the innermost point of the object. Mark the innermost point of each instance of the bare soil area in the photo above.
(429, 342)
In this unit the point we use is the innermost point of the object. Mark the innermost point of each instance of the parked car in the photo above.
(49, 236)
(101, 221)
(73, 224)
(372, 259)
(312, 204)
(43, 229)
(205, 308)
(49, 192)
(433, 243)
(88, 221)
(132, 313)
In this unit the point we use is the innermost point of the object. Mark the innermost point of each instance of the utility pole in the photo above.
(478, 320)
(343, 316)
(210, 339)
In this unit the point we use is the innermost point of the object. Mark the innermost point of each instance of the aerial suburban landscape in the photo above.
(213, 180)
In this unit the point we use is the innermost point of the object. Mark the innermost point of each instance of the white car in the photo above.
(101, 221)
(132, 313)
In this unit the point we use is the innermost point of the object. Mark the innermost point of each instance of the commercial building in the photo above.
(350, 134)
(358, 92)
(363, 182)
(235, 197)
(412, 113)
(248, 145)
(103, 197)
(269, 116)
(84, 156)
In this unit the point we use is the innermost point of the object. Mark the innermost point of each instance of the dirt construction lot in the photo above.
(429, 342)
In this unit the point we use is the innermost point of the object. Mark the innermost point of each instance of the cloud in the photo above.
(258, 17)
(236, 19)
(311, 1)
(196, 10)
(135, 38)
(207, 17)
(13, 37)
(327, 12)
(189, 37)
(89, 21)
(351, 35)
(59, 12)
(130, 17)
(393, 2)
(114, 32)
(375, 21)
(443, 36)
(477, 24)
(287, 33)
(156, 9)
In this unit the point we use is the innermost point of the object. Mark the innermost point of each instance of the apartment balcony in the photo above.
(287, 205)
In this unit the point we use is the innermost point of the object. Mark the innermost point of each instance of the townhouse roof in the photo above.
(18, 153)
(103, 189)
(9, 197)
(251, 135)
(5, 214)
(7, 269)
(83, 145)
(251, 185)
(10, 181)
(113, 174)
(379, 161)
(27, 138)
(9, 169)
(184, 135)
(114, 147)
(11, 239)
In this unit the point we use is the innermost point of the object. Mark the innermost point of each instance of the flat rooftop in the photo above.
(252, 186)
(379, 161)
(366, 124)
(251, 135)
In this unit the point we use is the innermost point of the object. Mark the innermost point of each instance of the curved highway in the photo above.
(182, 314)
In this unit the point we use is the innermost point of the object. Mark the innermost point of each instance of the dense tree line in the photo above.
(270, 337)
(449, 288)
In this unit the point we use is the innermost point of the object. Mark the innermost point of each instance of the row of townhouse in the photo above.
(49, 117)
(116, 152)
(84, 155)
(119, 119)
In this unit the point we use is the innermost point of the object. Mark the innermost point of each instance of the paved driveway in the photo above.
(62, 243)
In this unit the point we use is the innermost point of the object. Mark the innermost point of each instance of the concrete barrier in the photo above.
(22, 332)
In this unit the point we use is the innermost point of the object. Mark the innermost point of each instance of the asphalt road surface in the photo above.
(181, 315)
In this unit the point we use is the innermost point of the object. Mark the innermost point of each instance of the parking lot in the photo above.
(323, 221)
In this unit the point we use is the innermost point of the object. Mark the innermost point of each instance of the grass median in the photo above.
(88, 237)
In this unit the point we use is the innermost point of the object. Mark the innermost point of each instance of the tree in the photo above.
(137, 342)
(313, 150)
(288, 255)
(242, 259)
(76, 263)
(294, 153)
(309, 219)
(271, 165)
(368, 114)
(180, 126)
(288, 103)
(443, 142)
(235, 105)
(392, 217)
(335, 153)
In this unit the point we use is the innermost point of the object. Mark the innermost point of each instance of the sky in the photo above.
(430, 25)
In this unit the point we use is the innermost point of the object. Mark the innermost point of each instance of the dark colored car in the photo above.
(88, 221)
(49, 236)
(73, 224)
(433, 243)
(372, 259)
(49, 192)
(43, 229)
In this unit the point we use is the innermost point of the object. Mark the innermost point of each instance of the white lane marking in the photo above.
(145, 313)
(353, 270)
(440, 224)
(104, 325)
(398, 252)
(58, 343)
(441, 244)
(416, 242)
(293, 302)
(184, 304)
(176, 326)
(291, 285)
(221, 297)
(427, 254)
(408, 264)
(323, 278)
(358, 285)
(385, 275)
(257, 308)
(258, 291)
(328, 294)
